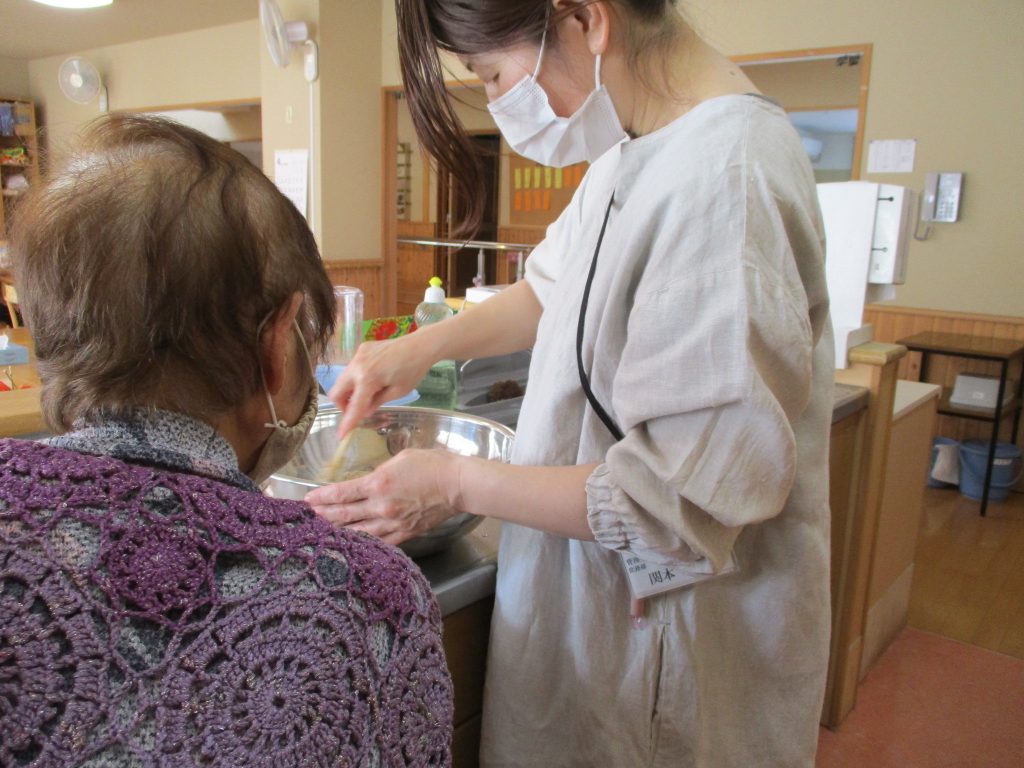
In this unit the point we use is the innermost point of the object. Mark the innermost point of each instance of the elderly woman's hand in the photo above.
(404, 497)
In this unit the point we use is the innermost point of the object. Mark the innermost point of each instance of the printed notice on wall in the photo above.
(291, 175)
(892, 156)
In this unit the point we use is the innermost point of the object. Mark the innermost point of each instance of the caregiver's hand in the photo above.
(380, 371)
(404, 497)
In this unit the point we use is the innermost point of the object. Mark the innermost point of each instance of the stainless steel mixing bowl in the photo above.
(385, 433)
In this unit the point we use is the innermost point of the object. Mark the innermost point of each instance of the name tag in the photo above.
(647, 579)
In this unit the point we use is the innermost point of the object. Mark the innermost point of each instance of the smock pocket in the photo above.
(655, 711)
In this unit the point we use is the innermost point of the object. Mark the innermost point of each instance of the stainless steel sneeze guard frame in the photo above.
(485, 245)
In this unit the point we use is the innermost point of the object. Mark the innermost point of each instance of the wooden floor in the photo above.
(969, 572)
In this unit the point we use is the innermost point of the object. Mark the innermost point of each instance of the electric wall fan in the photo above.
(80, 81)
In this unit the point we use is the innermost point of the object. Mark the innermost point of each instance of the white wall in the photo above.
(285, 100)
(218, 64)
(350, 50)
(222, 126)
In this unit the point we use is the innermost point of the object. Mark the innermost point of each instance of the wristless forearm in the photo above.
(550, 499)
(503, 324)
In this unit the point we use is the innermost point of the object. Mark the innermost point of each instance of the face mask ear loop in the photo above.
(540, 56)
(302, 341)
(277, 423)
(597, 72)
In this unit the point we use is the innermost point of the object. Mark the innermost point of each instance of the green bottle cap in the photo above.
(436, 282)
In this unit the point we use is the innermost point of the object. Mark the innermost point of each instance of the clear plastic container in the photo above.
(440, 387)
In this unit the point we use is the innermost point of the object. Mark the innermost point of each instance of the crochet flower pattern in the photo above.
(153, 617)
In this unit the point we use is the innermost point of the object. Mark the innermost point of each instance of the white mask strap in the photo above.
(275, 422)
(540, 56)
(597, 71)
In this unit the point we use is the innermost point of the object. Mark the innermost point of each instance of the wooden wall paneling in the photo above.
(367, 276)
(427, 187)
(528, 235)
(389, 201)
(507, 261)
(505, 267)
(892, 323)
(416, 265)
(537, 194)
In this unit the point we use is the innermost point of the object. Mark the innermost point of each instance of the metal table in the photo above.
(1002, 351)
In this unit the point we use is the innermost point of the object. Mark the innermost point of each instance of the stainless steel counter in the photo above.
(466, 572)
(847, 400)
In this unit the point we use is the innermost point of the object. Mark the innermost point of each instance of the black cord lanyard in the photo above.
(584, 379)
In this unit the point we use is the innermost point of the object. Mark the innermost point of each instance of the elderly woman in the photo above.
(155, 607)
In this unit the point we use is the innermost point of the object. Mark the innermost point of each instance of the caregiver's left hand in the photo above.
(404, 497)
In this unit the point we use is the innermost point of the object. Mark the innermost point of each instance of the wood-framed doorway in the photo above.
(860, 51)
(399, 296)
(389, 195)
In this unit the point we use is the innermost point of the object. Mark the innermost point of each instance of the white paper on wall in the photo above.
(291, 175)
(891, 155)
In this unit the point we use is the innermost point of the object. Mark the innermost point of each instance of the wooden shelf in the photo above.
(962, 345)
(25, 136)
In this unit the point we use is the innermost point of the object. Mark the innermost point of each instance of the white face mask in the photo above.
(531, 127)
(285, 441)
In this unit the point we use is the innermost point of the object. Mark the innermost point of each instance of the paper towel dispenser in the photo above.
(868, 228)
(894, 219)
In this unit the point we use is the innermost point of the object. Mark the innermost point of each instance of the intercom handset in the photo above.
(941, 200)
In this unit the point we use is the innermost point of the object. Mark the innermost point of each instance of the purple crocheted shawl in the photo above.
(150, 616)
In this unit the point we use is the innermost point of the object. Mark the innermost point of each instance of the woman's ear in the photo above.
(592, 19)
(274, 342)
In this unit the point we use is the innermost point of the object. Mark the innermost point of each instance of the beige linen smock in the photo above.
(707, 341)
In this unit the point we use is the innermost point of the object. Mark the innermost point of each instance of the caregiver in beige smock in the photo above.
(693, 251)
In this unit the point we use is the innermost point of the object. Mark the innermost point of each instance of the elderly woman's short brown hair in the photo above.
(145, 264)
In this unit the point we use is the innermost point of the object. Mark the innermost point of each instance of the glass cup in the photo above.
(348, 320)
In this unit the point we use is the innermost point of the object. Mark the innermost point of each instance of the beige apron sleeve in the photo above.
(714, 369)
(544, 264)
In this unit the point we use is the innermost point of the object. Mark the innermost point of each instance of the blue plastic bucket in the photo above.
(1006, 469)
(932, 482)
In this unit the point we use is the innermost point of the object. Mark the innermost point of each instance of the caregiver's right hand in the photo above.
(380, 371)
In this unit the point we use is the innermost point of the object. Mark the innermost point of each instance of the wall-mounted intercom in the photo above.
(941, 201)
